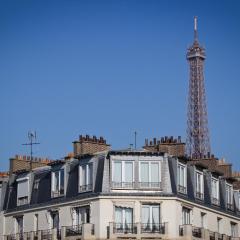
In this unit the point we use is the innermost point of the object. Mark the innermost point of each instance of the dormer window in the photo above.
(58, 183)
(86, 177)
(22, 191)
(199, 185)
(229, 196)
(182, 178)
(215, 191)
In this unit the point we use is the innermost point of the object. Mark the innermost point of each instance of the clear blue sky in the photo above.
(112, 67)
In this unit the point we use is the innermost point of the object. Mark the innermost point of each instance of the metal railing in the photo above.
(125, 228)
(182, 189)
(215, 201)
(57, 193)
(211, 235)
(219, 236)
(150, 185)
(199, 195)
(22, 201)
(75, 230)
(122, 184)
(197, 232)
(46, 234)
(153, 228)
(85, 188)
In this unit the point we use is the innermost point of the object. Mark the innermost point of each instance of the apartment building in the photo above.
(125, 194)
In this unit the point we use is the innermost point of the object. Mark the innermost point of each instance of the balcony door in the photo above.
(123, 218)
(150, 217)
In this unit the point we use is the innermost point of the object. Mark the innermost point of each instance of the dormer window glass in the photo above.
(182, 178)
(58, 183)
(149, 175)
(199, 185)
(229, 196)
(123, 174)
(215, 191)
(22, 191)
(86, 177)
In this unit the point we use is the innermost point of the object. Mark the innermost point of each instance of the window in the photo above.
(19, 227)
(215, 191)
(55, 219)
(203, 220)
(81, 215)
(149, 175)
(229, 196)
(0, 195)
(58, 183)
(22, 191)
(219, 225)
(186, 215)
(234, 229)
(86, 177)
(36, 222)
(199, 185)
(182, 179)
(123, 174)
(150, 217)
(123, 219)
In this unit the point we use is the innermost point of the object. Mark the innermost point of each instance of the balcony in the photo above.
(199, 196)
(188, 230)
(122, 185)
(86, 188)
(215, 201)
(73, 231)
(57, 193)
(182, 189)
(22, 201)
(82, 231)
(136, 230)
(150, 185)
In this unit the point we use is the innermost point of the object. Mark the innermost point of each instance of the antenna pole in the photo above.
(135, 136)
(31, 136)
(195, 29)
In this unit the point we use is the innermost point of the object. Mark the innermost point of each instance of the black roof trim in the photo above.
(56, 162)
(136, 153)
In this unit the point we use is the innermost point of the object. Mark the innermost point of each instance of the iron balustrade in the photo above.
(22, 201)
(199, 195)
(75, 230)
(197, 232)
(230, 206)
(219, 236)
(150, 185)
(180, 230)
(211, 235)
(85, 188)
(57, 193)
(153, 228)
(215, 201)
(125, 228)
(182, 189)
(122, 184)
(46, 234)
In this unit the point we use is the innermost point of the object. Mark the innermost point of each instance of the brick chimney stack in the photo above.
(89, 145)
(170, 145)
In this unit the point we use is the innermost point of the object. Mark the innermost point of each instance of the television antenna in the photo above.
(32, 137)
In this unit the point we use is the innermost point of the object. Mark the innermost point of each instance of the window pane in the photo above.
(155, 172)
(56, 181)
(144, 172)
(128, 215)
(118, 215)
(145, 214)
(117, 174)
(128, 171)
(84, 175)
(155, 214)
(90, 174)
(62, 180)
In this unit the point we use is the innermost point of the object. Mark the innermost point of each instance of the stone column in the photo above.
(63, 233)
(54, 234)
(87, 231)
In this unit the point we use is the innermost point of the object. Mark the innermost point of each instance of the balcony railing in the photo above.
(122, 184)
(182, 189)
(22, 201)
(219, 236)
(197, 232)
(57, 193)
(85, 188)
(215, 201)
(124, 228)
(230, 207)
(199, 195)
(211, 235)
(75, 230)
(46, 234)
(155, 185)
(153, 228)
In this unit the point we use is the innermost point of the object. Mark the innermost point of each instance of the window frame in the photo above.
(215, 199)
(150, 183)
(57, 192)
(25, 198)
(123, 183)
(182, 188)
(88, 186)
(229, 193)
(199, 194)
(186, 215)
